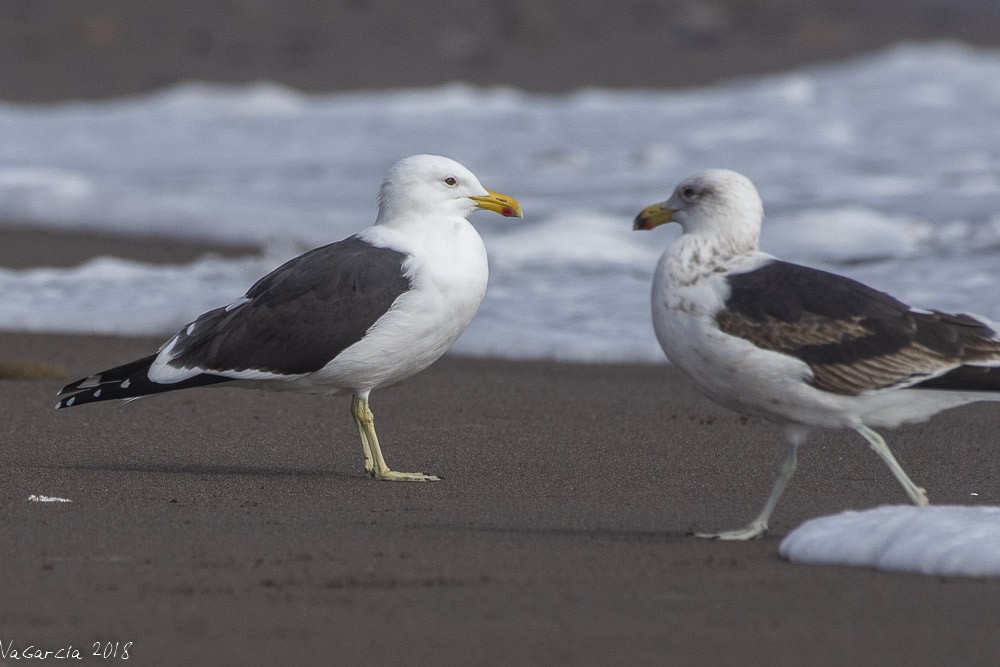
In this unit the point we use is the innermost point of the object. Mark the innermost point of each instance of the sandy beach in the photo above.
(233, 527)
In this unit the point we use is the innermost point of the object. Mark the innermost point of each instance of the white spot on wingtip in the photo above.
(97, 394)
(236, 304)
(70, 401)
(126, 383)
(47, 499)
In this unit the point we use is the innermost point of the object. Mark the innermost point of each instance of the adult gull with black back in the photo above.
(799, 346)
(349, 317)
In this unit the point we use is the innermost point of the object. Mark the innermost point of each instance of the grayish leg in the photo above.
(758, 527)
(918, 496)
(365, 420)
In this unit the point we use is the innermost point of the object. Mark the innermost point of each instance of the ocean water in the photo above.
(885, 168)
(942, 540)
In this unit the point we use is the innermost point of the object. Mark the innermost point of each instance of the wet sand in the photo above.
(55, 50)
(22, 247)
(235, 527)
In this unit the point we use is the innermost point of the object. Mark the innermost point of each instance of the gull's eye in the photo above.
(689, 193)
(451, 181)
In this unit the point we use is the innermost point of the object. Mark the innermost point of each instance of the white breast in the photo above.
(448, 271)
(729, 370)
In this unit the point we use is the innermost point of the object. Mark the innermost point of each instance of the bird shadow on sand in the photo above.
(602, 534)
(212, 470)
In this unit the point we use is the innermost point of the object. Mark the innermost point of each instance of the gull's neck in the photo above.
(455, 212)
(704, 250)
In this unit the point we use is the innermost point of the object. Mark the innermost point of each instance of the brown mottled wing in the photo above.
(855, 338)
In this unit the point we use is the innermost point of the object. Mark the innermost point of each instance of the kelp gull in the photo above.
(799, 346)
(349, 317)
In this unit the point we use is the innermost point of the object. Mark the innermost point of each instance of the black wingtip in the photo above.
(966, 378)
(76, 386)
(120, 382)
(87, 396)
(137, 386)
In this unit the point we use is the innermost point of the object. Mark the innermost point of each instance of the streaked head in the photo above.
(435, 185)
(714, 201)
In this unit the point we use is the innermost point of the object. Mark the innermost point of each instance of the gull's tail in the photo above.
(127, 381)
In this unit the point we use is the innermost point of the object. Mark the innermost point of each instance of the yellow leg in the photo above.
(375, 464)
(369, 460)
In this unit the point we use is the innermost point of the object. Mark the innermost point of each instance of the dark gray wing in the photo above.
(301, 315)
(854, 338)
